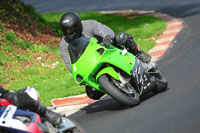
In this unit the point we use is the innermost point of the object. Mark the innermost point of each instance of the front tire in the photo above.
(118, 94)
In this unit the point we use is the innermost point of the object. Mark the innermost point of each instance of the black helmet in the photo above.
(71, 25)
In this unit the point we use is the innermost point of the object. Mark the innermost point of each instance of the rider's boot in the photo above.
(134, 49)
(126, 40)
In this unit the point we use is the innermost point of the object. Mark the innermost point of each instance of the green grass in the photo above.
(51, 83)
(20, 70)
(25, 70)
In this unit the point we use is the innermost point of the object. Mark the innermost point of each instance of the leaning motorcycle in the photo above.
(16, 120)
(113, 71)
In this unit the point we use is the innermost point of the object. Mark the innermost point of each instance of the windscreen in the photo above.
(77, 47)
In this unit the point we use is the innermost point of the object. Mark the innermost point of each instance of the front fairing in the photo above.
(89, 63)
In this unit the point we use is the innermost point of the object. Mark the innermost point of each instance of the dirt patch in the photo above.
(25, 23)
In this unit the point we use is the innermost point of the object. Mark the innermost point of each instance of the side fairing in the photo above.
(141, 77)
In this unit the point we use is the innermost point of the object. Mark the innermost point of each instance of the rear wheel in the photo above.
(92, 93)
(126, 94)
(160, 81)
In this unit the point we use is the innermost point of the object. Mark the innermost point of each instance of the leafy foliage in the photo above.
(13, 10)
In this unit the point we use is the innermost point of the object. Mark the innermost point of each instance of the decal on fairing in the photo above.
(75, 68)
(140, 76)
(6, 117)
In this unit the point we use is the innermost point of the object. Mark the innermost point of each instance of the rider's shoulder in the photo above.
(63, 42)
(88, 21)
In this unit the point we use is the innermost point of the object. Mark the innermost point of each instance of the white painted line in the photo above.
(160, 15)
(155, 58)
(67, 110)
(159, 48)
(171, 31)
(164, 39)
(81, 95)
(145, 12)
(174, 23)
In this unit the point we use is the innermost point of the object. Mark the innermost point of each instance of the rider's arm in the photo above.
(63, 47)
(100, 30)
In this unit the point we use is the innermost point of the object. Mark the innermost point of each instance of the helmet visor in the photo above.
(70, 31)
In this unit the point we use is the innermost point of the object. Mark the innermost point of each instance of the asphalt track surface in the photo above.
(176, 110)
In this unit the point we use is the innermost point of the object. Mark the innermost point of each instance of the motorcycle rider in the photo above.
(72, 28)
(25, 99)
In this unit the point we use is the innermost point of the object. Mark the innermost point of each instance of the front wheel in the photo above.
(160, 81)
(126, 95)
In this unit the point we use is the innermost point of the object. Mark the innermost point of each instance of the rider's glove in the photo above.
(108, 39)
(146, 58)
(122, 38)
(53, 117)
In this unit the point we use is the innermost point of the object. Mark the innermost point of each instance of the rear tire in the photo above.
(118, 94)
(160, 81)
(93, 93)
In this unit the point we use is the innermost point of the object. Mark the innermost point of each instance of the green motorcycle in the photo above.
(113, 71)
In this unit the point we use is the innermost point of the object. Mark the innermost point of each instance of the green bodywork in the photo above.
(89, 65)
